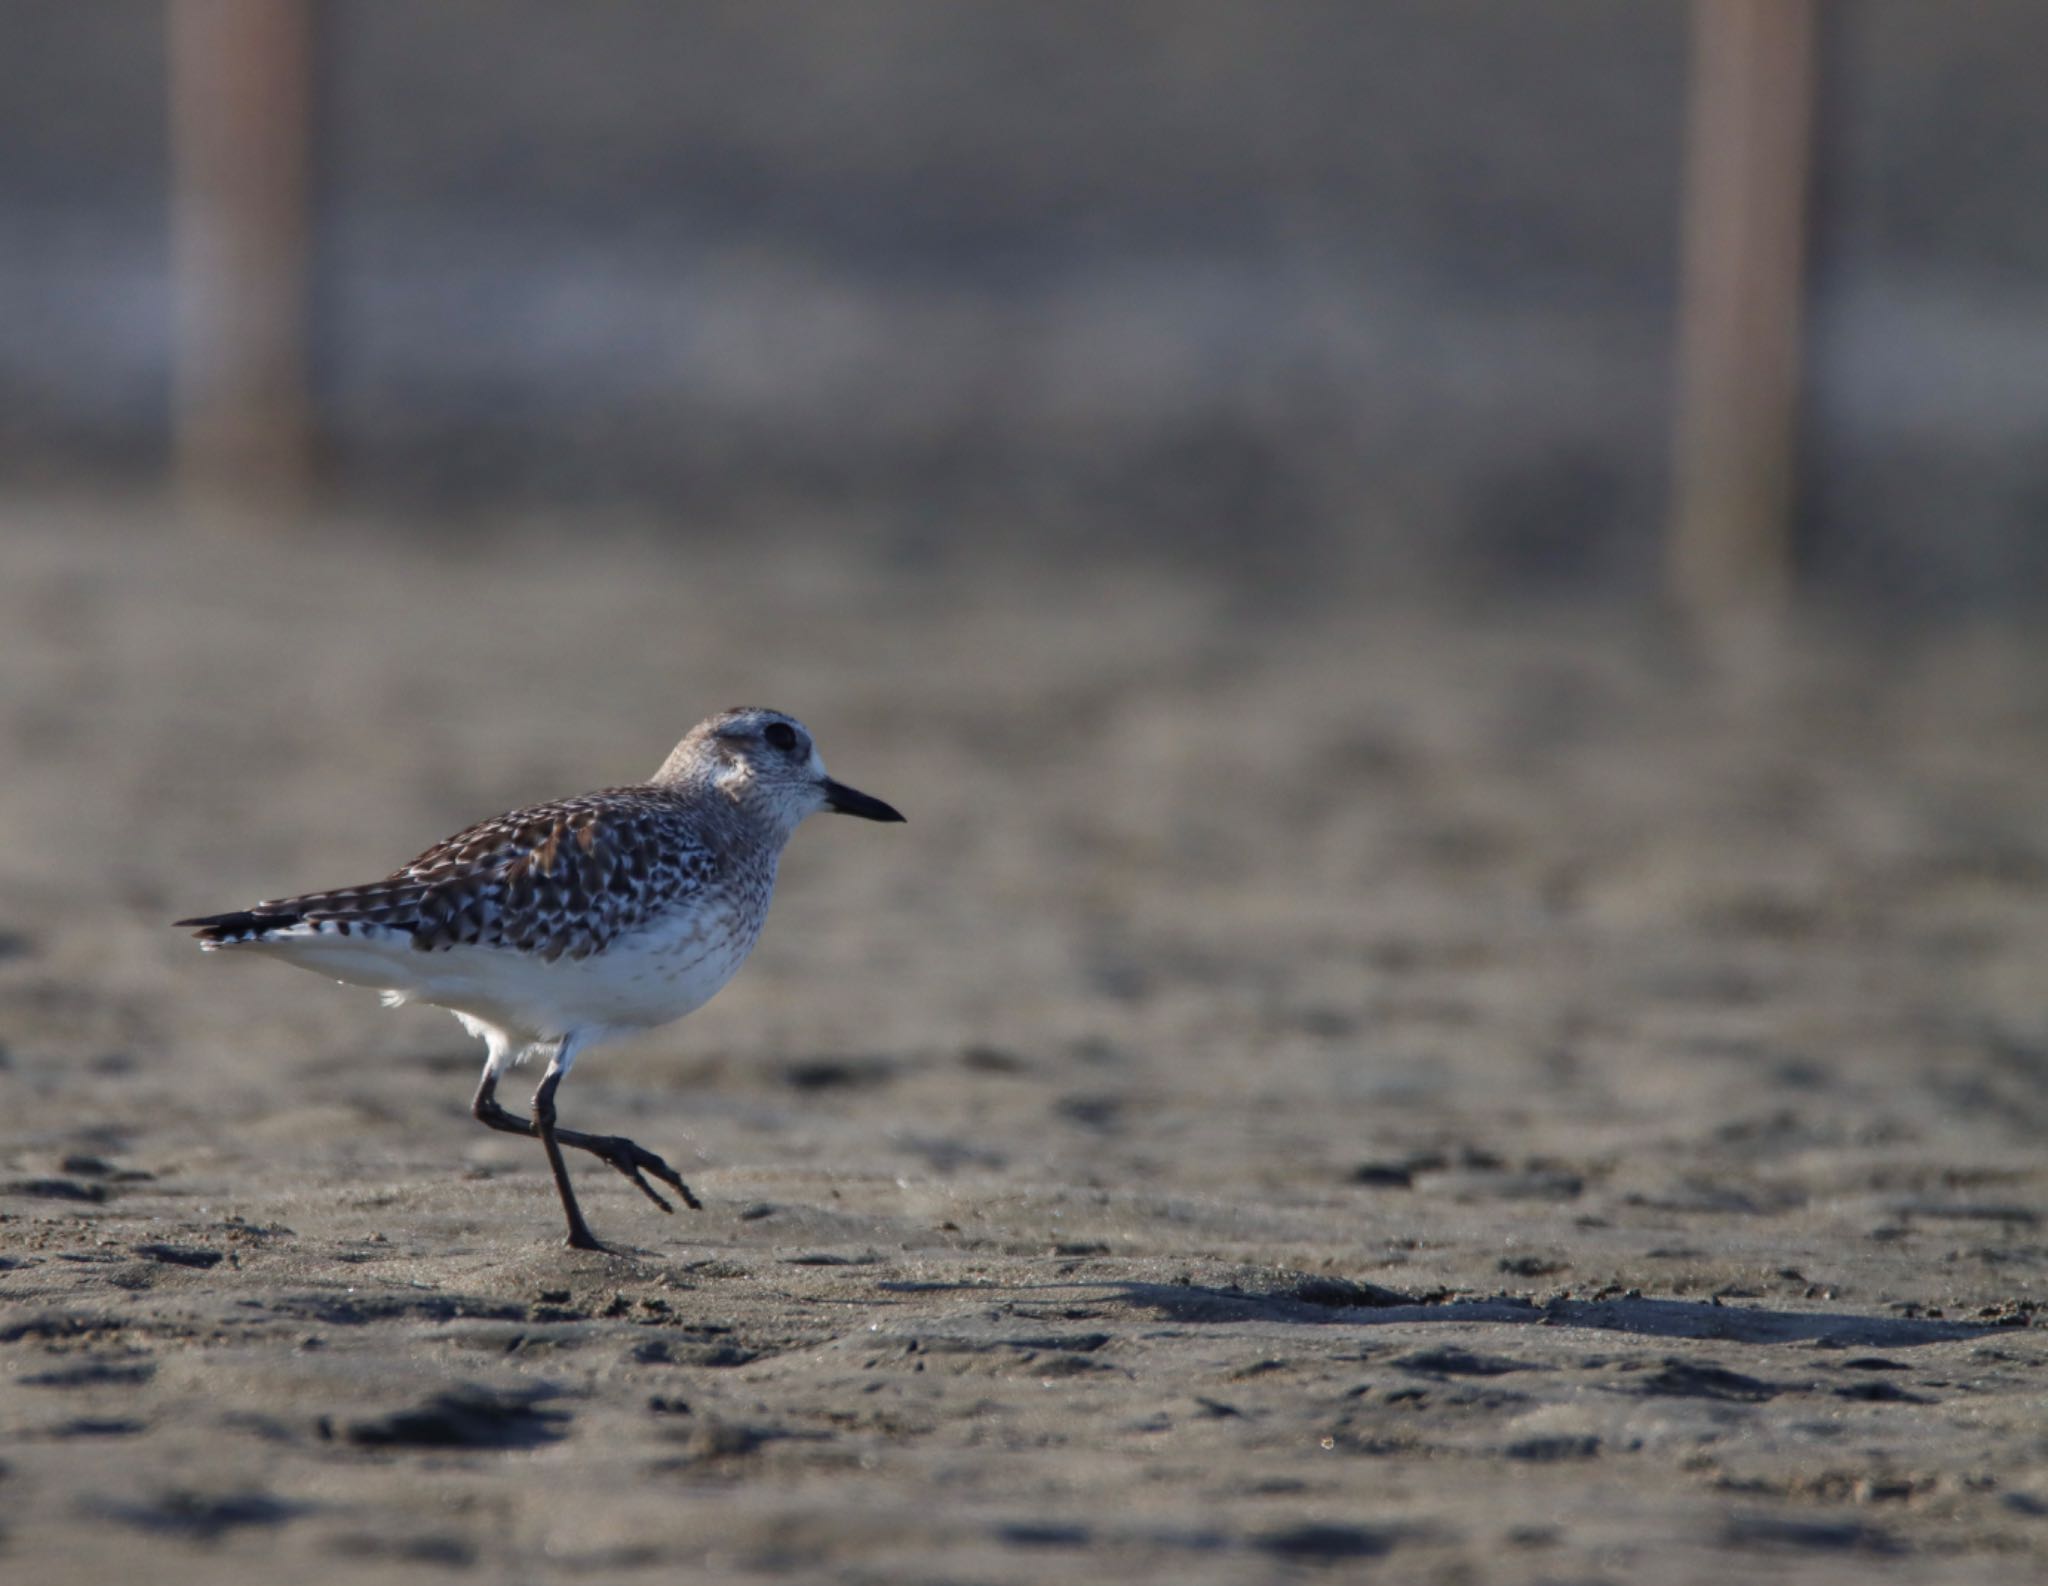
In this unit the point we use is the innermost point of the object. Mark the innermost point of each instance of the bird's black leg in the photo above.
(580, 1236)
(485, 1109)
(620, 1153)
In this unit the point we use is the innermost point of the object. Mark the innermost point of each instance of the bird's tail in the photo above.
(240, 926)
(383, 906)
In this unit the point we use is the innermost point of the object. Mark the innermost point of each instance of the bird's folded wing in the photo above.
(553, 879)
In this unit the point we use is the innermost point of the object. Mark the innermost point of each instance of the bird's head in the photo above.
(766, 762)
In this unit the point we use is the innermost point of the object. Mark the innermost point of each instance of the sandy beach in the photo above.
(1323, 1084)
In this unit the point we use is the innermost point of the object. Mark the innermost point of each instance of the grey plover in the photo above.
(551, 928)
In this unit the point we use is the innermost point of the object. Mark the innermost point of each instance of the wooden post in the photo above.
(239, 92)
(1742, 296)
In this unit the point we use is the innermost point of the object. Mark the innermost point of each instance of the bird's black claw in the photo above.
(631, 1160)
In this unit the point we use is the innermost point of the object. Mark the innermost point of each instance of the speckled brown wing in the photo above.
(565, 877)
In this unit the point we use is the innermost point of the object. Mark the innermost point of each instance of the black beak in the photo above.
(844, 800)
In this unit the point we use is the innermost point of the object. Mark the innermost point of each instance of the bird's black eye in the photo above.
(780, 735)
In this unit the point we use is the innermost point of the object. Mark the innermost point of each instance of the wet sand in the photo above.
(1321, 1084)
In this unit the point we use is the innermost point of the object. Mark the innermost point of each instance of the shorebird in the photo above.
(551, 928)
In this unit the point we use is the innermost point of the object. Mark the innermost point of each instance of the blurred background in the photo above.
(1392, 288)
(1246, 480)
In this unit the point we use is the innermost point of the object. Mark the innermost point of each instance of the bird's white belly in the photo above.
(641, 980)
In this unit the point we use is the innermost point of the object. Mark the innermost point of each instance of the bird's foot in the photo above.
(636, 1162)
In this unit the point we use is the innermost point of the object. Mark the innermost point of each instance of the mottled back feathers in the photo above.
(566, 877)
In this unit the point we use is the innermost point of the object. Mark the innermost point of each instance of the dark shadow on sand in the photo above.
(1324, 1303)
